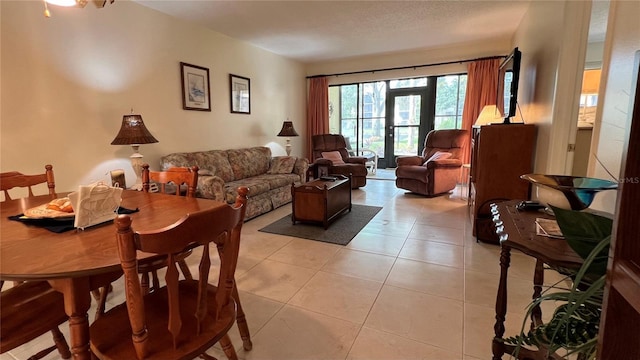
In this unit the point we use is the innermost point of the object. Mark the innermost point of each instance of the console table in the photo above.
(517, 230)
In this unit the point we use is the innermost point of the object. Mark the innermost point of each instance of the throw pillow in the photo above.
(282, 165)
(438, 155)
(204, 172)
(334, 156)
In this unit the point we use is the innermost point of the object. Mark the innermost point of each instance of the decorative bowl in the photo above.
(577, 190)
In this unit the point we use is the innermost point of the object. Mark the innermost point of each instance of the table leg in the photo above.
(77, 300)
(497, 345)
(538, 280)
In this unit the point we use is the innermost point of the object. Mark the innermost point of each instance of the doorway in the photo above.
(406, 109)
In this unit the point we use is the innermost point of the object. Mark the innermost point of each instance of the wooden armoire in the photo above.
(500, 153)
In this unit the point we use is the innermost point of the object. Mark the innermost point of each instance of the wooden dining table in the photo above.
(78, 261)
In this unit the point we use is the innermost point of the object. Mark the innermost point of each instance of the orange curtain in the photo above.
(317, 110)
(482, 85)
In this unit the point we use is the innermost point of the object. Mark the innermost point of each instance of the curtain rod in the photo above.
(409, 67)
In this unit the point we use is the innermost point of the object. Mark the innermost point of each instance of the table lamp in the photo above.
(489, 115)
(133, 132)
(288, 131)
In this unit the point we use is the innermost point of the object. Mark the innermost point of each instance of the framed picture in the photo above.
(195, 87)
(240, 89)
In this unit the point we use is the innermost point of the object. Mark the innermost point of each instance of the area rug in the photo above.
(341, 231)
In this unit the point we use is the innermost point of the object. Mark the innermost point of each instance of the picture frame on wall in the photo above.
(196, 93)
(240, 90)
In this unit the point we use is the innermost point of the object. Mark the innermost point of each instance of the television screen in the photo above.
(508, 77)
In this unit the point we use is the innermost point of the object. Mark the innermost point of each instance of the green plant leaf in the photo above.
(583, 231)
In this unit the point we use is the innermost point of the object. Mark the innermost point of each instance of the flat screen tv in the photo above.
(508, 77)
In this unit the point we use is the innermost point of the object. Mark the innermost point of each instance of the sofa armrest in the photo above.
(409, 160)
(444, 163)
(301, 167)
(356, 160)
(211, 187)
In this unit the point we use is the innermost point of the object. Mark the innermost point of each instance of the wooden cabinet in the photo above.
(500, 153)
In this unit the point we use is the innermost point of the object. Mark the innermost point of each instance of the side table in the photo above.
(517, 230)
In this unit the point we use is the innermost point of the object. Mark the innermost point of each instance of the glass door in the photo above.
(406, 109)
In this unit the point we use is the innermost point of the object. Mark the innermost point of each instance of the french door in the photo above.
(407, 110)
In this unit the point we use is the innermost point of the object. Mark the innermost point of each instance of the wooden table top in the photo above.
(30, 252)
(520, 233)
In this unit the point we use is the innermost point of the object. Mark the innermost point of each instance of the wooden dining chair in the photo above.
(184, 318)
(28, 310)
(171, 181)
(13, 179)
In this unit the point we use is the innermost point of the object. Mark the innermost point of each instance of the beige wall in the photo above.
(68, 80)
(552, 38)
(613, 119)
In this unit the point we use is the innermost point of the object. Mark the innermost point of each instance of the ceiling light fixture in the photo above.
(70, 3)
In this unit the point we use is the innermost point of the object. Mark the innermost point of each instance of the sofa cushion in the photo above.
(217, 162)
(214, 161)
(282, 165)
(279, 180)
(249, 162)
(255, 184)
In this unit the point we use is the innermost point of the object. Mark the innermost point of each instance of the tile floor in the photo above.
(413, 284)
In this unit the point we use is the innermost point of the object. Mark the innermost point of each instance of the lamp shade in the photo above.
(488, 115)
(287, 129)
(133, 131)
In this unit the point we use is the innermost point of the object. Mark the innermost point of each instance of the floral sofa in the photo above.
(221, 172)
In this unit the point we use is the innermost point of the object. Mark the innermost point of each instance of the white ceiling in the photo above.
(311, 31)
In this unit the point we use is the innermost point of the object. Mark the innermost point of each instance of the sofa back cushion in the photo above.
(214, 161)
(249, 161)
(282, 165)
(218, 162)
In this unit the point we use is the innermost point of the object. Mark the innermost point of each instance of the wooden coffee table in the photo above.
(321, 201)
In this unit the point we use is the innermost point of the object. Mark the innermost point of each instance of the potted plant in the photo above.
(576, 320)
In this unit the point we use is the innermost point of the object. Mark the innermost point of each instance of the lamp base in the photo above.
(136, 163)
(287, 147)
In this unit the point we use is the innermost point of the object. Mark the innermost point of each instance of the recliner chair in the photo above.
(435, 172)
(353, 165)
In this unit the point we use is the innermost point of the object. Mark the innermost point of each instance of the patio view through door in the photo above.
(391, 118)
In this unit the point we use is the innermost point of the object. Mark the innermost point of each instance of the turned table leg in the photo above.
(538, 280)
(77, 300)
(498, 347)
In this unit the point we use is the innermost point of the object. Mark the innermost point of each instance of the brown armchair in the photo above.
(421, 175)
(353, 165)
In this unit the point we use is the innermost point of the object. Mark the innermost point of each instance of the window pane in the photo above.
(373, 136)
(407, 83)
(450, 96)
(462, 94)
(348, 129)
(407, 110)
(447, 95)
(444, 122)
(334, 109)
(349, 101)
(405, 140)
